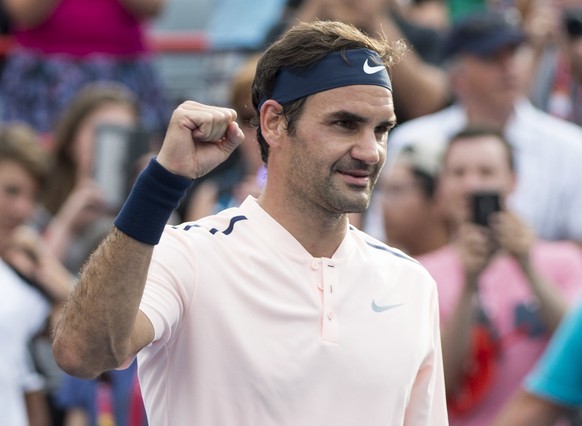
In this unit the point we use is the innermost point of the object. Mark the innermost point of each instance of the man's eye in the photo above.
(11, 190)
(382, 132)
(347, 124)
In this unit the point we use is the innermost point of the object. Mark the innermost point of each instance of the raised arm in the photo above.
(475, 252)
(101, 326)
(518, 239)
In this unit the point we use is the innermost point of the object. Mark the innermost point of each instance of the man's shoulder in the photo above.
(383, 254)
(228, 222)
(536, 120)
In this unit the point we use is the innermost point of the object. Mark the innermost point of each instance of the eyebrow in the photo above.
(350, 116)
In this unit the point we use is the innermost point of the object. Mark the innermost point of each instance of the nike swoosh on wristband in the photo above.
(372, 70)
(382, 308)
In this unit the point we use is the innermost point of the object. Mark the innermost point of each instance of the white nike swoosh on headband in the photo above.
(372, 70)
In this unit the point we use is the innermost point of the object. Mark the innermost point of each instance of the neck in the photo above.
(320, 233)
(496, 117)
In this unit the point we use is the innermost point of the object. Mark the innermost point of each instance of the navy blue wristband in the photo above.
(155, 195)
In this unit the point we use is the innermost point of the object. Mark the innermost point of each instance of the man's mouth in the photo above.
(356, 177)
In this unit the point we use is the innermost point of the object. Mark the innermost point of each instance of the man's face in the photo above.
(475, 164)
(492, 81)
(338, 148)
(18, 196)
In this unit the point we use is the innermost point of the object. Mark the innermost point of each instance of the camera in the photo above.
(572, 20)
(483, 205)
(117, 149)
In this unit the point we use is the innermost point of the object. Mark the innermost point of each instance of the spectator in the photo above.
(77, 205)
(554, 389)
(32, 282)
(61, 45)
(484, 74)
(557, 83)
(412, 218)
(502, 292)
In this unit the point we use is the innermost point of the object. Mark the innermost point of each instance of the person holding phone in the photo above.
(502, 291)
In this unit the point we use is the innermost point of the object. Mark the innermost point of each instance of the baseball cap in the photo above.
(483, 34)
(423, 156)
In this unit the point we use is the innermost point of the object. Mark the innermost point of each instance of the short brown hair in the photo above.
(476, 131)
(303, 45)
(20, 144)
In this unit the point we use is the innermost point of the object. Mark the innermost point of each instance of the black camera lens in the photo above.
(573, 22)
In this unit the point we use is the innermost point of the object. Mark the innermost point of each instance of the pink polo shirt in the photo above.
(510, 305)
(250, 329)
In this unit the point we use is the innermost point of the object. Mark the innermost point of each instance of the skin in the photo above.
(488, 86)
(18, 197)
(525, 409)
(330, 166)
(343, 132)
(412, 220)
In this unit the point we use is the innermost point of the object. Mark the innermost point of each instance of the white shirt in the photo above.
(250, 329)
(548, 157)
(23, 312)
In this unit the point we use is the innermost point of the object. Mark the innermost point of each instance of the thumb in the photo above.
(233, 136)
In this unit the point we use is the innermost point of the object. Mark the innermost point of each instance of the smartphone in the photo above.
(483, 204)
(117, 149)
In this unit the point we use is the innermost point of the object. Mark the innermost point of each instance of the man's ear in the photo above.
(273, 123)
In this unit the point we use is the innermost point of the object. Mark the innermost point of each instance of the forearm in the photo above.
(420, 88)
(29, 13)
(456, 339)
(551, 303)
(143, 9)
(525, 409)
(94, 333)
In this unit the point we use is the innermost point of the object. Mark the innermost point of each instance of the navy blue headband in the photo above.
(353, 67)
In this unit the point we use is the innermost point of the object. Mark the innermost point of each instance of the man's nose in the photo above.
(367, 148)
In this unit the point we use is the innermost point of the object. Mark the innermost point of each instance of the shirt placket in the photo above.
(328, 286)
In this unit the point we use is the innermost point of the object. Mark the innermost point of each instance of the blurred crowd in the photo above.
(483, 186)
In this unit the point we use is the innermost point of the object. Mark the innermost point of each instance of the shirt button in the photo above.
(330, 316)
(315, 264)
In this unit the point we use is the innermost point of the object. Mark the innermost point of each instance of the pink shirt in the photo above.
(506, 296)
(83, 27)
(250, 329)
